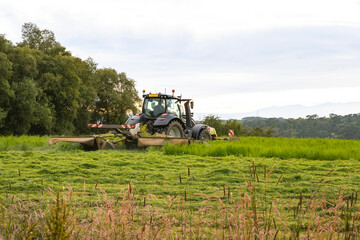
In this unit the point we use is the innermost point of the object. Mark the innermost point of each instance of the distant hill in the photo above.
(292, 111)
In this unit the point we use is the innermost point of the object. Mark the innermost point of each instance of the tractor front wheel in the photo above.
(174, 129)
(205, 135)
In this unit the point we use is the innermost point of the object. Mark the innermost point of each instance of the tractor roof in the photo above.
(165, 96)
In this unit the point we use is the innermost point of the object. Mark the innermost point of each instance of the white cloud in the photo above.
(300, 58)
(250, 102)
(259, 52)
(198, 17)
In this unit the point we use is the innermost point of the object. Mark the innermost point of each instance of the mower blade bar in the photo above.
(90, 141)
(158, 141)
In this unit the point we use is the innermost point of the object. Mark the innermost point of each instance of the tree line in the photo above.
(312, 126)
(46, 90)
(222, 127)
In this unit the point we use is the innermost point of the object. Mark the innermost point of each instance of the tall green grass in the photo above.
(35, 143)
(23, 143)
(283, 148)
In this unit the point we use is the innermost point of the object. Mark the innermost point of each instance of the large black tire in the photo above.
(175, 130)
(205, 135)
(130, 143)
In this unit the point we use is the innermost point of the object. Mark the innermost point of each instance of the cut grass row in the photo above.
(217, 197)
(30, 172)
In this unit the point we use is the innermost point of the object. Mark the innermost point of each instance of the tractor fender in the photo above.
(165, 120)
(196, 130)
(133, 120)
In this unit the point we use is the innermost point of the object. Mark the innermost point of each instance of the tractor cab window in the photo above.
(153, 107)
(173, 106)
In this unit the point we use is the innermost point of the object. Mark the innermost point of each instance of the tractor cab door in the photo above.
(173, 107)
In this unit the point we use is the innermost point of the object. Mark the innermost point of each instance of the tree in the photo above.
(23, 106)
(128, 97)
(233, 124)
(43, 40)
(5, 92)
(45, 90)
(115, 95)
(61, 85)
(215, 122)
(24, 63)
(2, 117)
(86, 71)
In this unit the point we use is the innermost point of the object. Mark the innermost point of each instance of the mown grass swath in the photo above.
(283, 148)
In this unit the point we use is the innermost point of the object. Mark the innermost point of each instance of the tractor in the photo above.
(171, 116)
(164, 118)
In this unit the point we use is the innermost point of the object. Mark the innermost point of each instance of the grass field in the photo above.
(220, 176)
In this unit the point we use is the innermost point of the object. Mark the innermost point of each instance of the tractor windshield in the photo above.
(153, 107)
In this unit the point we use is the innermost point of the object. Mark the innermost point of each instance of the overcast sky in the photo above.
(230, 56)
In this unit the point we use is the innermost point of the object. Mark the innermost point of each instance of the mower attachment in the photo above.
(89, 141)
(160, 141)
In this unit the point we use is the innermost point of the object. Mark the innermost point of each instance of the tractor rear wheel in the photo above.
(175, 130)
(205, 135)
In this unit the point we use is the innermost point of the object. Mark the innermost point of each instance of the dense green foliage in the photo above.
(334, 126)
(46, 90)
